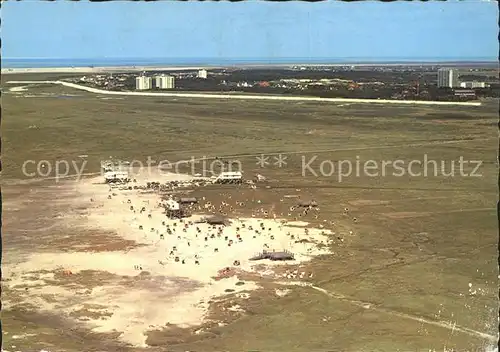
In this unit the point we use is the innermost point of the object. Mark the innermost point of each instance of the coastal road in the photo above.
(248, 97)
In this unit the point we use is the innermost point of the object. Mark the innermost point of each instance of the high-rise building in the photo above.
(143, 83)
(164, 82)
(448, 77)
(202, 74)
(139, 83)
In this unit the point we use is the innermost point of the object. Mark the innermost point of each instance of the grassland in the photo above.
(416, 244)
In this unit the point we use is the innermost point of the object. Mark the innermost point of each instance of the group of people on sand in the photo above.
(184, 230)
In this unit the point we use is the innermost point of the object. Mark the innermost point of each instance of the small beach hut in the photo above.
(188, 200)
(307, 204)
(217, 220)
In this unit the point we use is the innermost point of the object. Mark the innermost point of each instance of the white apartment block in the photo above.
(143, 83)
(448, 78)
(202, 74)
(472, 84)
(164, 82)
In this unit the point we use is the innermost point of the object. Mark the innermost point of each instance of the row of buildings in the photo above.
(449, 78)
(159, 82)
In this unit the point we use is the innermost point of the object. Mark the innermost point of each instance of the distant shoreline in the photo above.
(179, 67)
(103, 69)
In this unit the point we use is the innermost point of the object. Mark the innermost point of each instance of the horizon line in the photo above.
(381, 59)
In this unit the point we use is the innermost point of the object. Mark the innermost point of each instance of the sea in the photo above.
(207, 62)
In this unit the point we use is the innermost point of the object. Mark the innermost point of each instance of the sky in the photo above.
(465, 30)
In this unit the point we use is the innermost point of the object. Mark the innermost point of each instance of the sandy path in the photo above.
(252, 97)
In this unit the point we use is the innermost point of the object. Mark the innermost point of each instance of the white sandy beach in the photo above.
(175, 292)
(102, 69)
